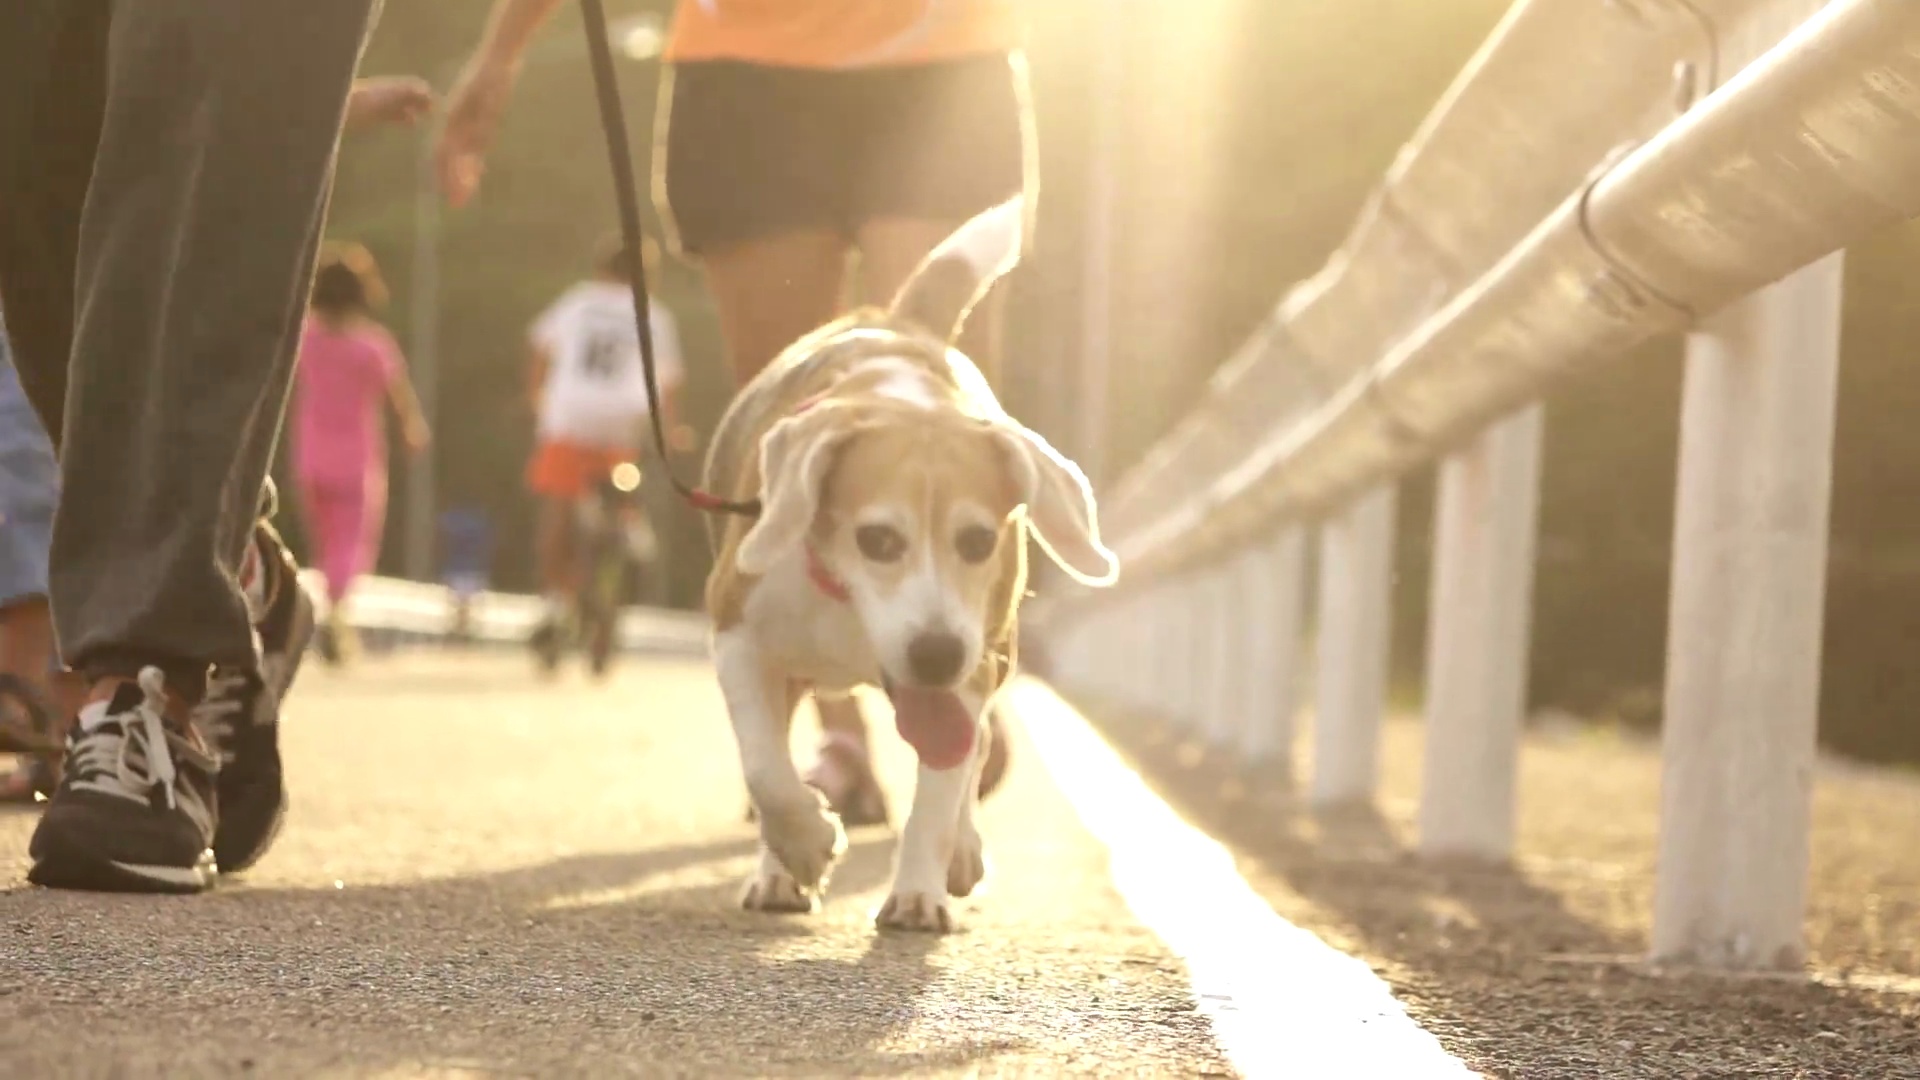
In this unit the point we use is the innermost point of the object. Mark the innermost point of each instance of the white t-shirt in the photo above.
(596, 390)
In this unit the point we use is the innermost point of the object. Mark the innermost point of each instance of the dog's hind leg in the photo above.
(801, 836)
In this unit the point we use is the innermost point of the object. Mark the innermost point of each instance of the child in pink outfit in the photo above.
(349, 368)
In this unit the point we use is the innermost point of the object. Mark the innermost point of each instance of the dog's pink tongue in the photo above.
(935, 723)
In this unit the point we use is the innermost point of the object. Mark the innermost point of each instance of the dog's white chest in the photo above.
(816, 637)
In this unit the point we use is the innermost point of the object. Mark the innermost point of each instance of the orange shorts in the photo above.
(565, 470)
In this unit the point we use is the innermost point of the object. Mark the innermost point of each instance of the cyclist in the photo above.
(590, 399)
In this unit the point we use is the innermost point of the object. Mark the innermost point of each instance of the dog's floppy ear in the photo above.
(1060, 505)
(794, 455)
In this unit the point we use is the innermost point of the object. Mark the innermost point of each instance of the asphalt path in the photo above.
(485, 873)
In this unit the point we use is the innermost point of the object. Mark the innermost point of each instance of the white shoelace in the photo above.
(218, 713)
(253, 583)
(145, 731)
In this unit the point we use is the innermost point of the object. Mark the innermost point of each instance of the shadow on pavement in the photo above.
(586, 965)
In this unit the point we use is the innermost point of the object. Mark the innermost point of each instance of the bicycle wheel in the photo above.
(603, 610)
(548, 641)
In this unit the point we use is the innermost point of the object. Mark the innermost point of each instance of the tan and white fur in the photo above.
(897, 499)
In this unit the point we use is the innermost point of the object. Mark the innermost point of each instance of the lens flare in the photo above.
(641, 37)
(626, 476)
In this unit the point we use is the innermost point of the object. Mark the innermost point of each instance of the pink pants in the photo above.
(344, 521)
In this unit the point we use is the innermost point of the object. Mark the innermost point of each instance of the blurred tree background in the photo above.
(1254, 130)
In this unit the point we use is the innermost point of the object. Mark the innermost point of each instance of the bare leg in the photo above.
(555, 547)
(28, 649)
(768, 293)
(26, 640)
(27, 652)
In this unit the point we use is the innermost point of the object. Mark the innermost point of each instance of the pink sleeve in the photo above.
(390, 363)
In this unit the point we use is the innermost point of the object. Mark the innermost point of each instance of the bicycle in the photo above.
(617, 542)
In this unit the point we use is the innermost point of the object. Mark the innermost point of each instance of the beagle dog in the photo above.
(896, 501)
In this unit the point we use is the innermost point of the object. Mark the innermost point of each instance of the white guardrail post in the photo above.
(1176, 659)
(1147, 636)
(1484, 531)
(1246, 638)
(1224, 626)
(1274, 662)
(1196, 644)
(1073, 655)
(1748, 604)
(1105, 673)
(1119, 680)
(1744, 626)
(1356, 572)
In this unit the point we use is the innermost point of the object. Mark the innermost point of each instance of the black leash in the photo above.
(613, 121)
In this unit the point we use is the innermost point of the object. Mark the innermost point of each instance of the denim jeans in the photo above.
(29, 487)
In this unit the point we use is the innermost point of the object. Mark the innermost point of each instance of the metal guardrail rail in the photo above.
(1558, 86)
(1600, 173)
(1813, 146)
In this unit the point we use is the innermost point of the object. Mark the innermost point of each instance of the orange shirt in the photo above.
(841, 33)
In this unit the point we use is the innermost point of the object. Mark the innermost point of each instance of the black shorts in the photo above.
(749, 150)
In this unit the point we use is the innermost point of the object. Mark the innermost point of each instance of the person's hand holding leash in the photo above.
(473, 115)
(479, 97)
(389, 99)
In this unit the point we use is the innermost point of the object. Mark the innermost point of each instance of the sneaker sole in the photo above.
(112, 875)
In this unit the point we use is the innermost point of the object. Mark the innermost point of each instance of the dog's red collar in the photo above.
(823, 579)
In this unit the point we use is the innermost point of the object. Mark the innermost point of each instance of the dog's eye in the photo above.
(881, 543)
(975, 543)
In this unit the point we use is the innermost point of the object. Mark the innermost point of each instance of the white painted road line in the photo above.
(1282, 1002)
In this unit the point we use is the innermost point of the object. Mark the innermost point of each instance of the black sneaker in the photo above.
(136, 808)
(240, 715)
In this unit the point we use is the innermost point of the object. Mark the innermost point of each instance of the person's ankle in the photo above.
(850, 741)
(68, 691)
(842, 719)
(102, 689)
(186, 681)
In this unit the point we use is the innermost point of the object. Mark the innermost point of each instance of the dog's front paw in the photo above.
(804, 835)
(968, 865)
(772, 889)
(924, 913)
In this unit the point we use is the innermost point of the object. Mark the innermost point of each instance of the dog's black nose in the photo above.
(935, 658)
